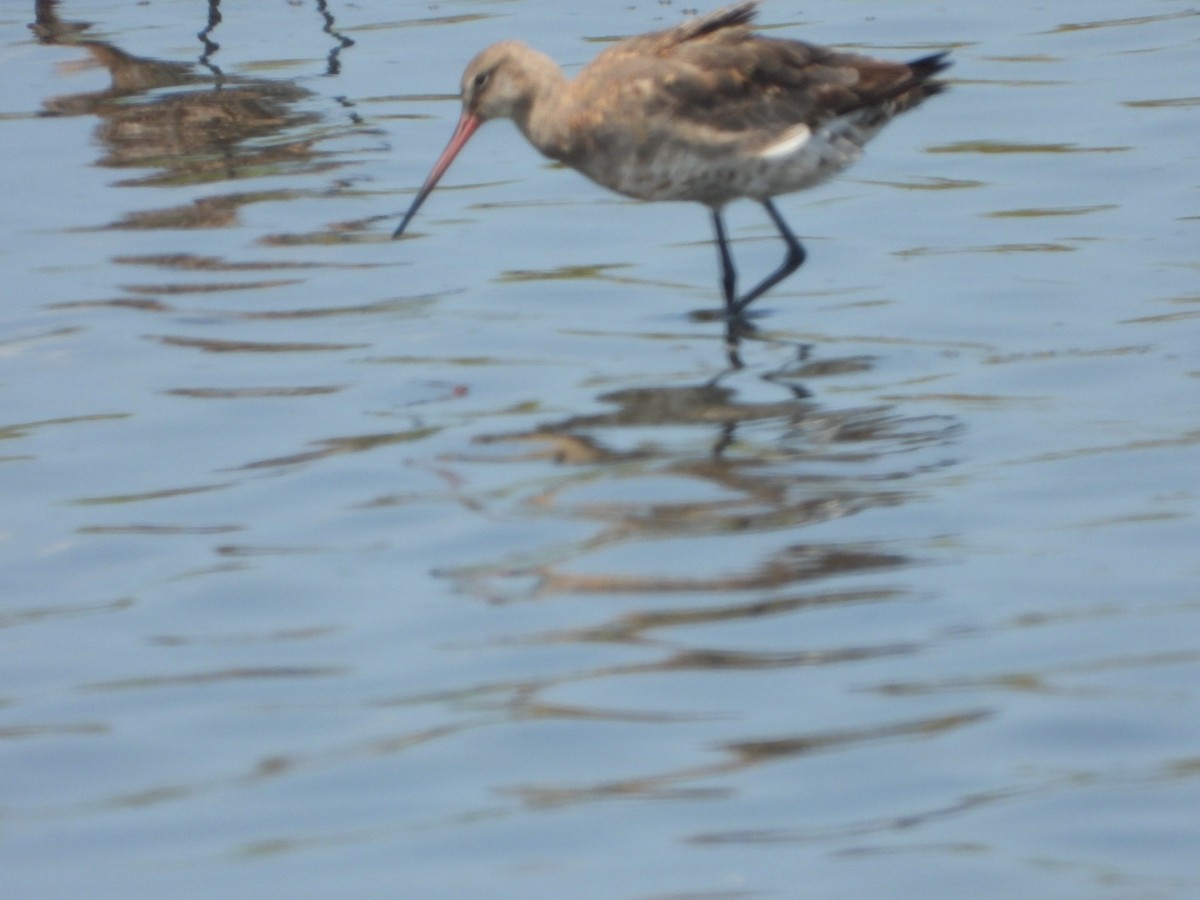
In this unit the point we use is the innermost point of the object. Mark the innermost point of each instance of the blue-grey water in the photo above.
(468, 566)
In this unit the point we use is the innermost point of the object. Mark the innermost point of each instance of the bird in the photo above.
(707, 111)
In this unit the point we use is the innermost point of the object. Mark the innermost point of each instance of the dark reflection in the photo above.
(760, 469)
(334, 60)
(737, 328)
(701, 509)
(749, 755)
(216, 675)
(211, 46)
(907, 821)
(338, 446)
(640, 626)
(205, 127)
(523, 698)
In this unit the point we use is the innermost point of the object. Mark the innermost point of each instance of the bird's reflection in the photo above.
(692, 532)
(756, 471)
(208, 128)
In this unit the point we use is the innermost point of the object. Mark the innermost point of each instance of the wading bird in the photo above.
(707, 111)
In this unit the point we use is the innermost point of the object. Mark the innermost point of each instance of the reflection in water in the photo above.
(746, 755)
(700, 512)
(211, 46)
(765, 466)
(343, 43)
(703, 501)
(190, 128)
(175, 125)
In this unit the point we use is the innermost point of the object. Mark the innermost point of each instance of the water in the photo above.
(467, 566)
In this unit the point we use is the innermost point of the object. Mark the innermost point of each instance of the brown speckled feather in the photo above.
(716, 71)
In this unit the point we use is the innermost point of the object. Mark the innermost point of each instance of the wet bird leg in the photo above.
(795, 257)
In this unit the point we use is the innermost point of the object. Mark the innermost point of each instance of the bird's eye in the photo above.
(481, 79)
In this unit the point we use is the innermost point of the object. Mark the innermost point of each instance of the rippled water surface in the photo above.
(471, 565)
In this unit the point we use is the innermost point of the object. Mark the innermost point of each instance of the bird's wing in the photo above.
(715, 71)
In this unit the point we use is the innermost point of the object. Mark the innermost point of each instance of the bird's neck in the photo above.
(541, 114)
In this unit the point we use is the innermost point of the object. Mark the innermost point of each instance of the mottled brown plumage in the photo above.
(706, 111)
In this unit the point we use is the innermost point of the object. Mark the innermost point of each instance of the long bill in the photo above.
(467, 123)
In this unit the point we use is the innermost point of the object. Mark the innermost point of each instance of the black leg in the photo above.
(791, 262)
(735, 327)
(728, 273)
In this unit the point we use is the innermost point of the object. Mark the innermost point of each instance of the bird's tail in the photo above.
(921, 83)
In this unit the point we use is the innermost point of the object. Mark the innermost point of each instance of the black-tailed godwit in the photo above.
(706, 111)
